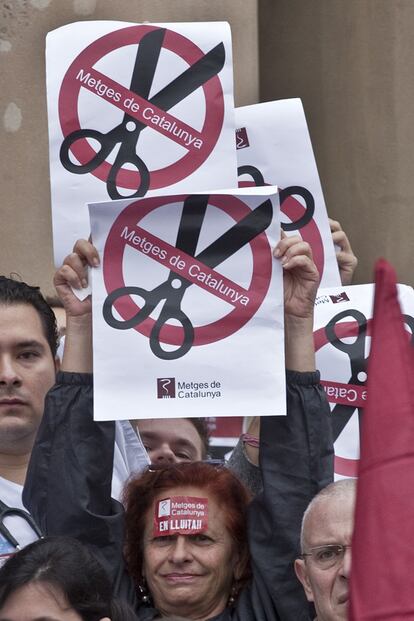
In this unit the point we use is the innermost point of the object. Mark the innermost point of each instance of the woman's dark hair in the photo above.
(226, 489)
(69, 567)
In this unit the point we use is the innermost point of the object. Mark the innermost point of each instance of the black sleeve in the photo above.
(68, 484)
(296, 457)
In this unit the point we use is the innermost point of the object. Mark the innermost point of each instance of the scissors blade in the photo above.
(340, 417)
(356, 349)
(237, 236)
(198, 74)
(146, 61)
(192, 216)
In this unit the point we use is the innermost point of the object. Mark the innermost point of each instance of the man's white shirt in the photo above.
(130, 457)
(11, 495)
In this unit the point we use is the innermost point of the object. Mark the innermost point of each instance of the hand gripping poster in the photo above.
(274, 148)
(133, 110)
(188, 306)
(342, 337)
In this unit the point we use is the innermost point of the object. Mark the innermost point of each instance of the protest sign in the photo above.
(134, 109)
(342, 343)
(188, 306)
(274, 147)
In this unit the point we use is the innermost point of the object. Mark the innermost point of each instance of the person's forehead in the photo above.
(169, 430)
(215, 512)
(186, 490)
(45, 603)
(20, 323)
(330, 521)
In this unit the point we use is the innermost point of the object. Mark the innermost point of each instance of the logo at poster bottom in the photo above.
(242, 140)
(166, 387)
(341, 297)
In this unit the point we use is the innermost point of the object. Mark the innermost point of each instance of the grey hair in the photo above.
(343, 489)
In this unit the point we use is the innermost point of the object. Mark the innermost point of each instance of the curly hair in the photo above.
(226, 489)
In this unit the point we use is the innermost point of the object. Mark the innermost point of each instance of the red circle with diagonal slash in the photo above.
(69, 117)
(293, 209)
(344, 466)
(173, 335)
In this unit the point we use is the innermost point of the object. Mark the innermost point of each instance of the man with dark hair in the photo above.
(28, 343)
(28, 365)
(18, 292)
(171, 440)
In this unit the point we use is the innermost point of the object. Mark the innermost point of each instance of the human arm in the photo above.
(347, 261)
(296, 462)
(68, 486)
(300, 281)
(244, 459)
(296, 456)
(77, 356)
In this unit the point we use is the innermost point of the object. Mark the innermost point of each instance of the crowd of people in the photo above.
(83, 538)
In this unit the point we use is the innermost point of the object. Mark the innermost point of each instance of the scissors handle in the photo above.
(254, 172)
(356, 349)
(140, 315)
(168, 312)
(284, 193)
(106, 146)
(127, 155)
(298, 190)
(127, 134)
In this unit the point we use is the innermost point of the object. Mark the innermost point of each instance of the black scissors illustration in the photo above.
(6, 511)
(128, 131)
(284, 193)
(341, 414)
(173, 289)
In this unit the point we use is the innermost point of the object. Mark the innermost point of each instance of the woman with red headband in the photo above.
(189, 542)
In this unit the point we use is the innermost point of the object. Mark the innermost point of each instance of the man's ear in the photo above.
(57, 364)
(302, 575)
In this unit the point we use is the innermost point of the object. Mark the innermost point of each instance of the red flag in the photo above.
(382, 576)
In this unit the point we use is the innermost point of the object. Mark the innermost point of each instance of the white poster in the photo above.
(274, 147)
(188, 306)
(342, 342)
(134, 109)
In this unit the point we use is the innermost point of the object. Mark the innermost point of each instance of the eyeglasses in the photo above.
(327, 556)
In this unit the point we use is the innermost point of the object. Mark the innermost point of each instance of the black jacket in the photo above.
(68, 491)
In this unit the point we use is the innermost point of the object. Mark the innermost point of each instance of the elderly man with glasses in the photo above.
(325, 562)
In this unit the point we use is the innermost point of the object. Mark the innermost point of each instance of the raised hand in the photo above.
(347, 261)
